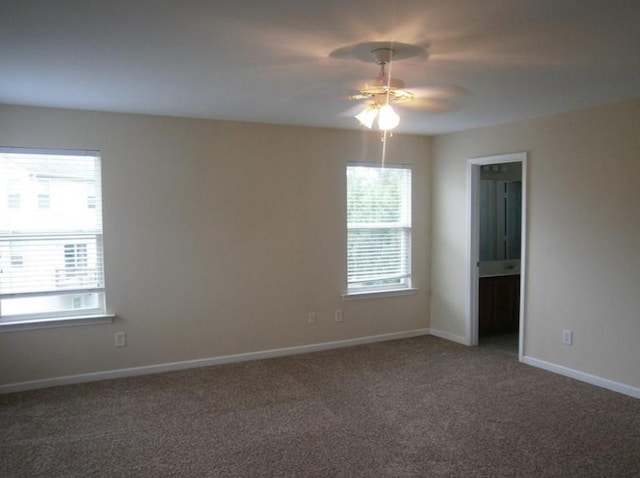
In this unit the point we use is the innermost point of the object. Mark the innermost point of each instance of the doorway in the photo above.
(496, 267)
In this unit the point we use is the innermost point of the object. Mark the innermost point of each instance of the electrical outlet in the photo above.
(311, 318)
(338, 315)
(567, 337)
(121, 339)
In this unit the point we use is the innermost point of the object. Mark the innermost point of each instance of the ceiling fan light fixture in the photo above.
(387, 118)
(367, 116)
(382, 91)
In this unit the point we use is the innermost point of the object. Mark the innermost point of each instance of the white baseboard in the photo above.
(205, 362)
(448, 336)
(584, 377)
(283, 352)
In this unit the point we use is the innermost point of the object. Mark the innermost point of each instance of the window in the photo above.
(378, 228)
(60, 247)
(91, 202)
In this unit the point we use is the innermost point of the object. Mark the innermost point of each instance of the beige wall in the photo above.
(220, 237)
(583, 235)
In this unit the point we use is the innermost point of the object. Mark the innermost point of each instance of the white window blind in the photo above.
(58, 239)
(378, 228)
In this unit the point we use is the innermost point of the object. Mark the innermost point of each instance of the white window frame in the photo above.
(56, 318)
(352, 289)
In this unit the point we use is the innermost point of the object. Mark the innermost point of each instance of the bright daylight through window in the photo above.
(378, 228)
(50, 235)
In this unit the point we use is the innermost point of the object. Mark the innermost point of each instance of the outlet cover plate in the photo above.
(121, 339)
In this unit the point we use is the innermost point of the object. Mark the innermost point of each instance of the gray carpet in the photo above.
(506, 344)
(421, 407)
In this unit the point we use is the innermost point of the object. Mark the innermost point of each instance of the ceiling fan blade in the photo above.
(430, 104)
(440, 91)
(354, 110)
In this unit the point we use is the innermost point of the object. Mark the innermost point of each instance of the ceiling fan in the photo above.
(384, 92)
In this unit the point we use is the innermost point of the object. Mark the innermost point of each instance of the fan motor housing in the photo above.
(381, 86)
(383, 82)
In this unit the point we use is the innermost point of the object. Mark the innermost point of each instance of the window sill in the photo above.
(378, 294)
(17, 325)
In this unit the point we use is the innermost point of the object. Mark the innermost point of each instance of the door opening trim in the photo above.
(473, 242)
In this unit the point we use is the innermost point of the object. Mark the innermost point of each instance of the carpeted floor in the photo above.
(420, 407)
(506, 344)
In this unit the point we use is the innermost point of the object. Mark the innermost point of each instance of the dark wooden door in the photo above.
(499, 308)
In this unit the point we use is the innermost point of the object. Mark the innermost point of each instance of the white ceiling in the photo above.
(269, 61)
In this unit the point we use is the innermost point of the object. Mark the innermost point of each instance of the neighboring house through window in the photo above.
(76, 303)
(43, 194)
(51, 257)
(16, 260)
(378, 228)
(75, 256)
(13, 194)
